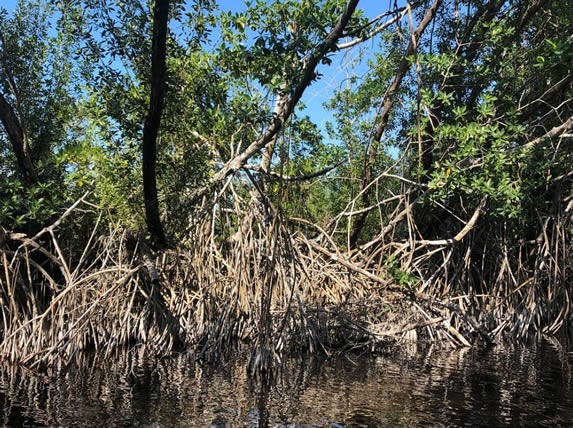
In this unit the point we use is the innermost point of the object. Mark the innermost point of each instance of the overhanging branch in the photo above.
(286, 107)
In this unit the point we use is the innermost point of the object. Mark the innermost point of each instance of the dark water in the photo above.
(422, 386)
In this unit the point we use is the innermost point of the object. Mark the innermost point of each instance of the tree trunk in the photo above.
(153, 121)
(19, 144)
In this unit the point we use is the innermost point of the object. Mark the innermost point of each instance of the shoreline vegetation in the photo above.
(161, 183)
(277, 291)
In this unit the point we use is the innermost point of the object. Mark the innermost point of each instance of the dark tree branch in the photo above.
(16, 136)
(403, 68)
(153, 121)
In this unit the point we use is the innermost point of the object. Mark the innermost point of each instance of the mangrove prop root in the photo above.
(241, 279)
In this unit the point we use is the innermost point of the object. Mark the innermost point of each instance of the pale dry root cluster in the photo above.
(246, 277)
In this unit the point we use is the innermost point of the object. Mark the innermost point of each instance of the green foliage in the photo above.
(36, 79)
(487, 104)
(483, 81)
(399, 276)
(23, 205)
(35, 73)
(479, 163)
(423, 132)
(272, 40)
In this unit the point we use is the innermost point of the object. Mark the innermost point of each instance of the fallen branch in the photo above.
(460, 235)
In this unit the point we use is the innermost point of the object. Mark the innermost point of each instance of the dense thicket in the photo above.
(162, 180)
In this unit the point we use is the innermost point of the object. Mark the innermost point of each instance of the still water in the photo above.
(415, 386)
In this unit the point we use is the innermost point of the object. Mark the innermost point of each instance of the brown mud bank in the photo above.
(268, 285)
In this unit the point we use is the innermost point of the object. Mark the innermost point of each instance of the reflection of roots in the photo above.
(131, 389)
(245, 277)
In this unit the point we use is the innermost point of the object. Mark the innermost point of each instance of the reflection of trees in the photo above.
(430, 387)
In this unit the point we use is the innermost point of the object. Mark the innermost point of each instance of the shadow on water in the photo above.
(408, 387)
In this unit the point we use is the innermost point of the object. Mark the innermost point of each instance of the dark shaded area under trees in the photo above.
(161, 182)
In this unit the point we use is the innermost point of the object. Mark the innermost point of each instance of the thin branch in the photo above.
(396, 219)
(305, 177)
(372, 207)
(398, 17)
(403, 68)
(553, 132)
(54, 225)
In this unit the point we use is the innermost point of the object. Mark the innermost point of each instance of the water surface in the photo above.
(415, 386)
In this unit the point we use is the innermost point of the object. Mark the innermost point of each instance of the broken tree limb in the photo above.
(553, 132)
(460, 235)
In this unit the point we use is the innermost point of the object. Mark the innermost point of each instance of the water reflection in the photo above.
(425, 387)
